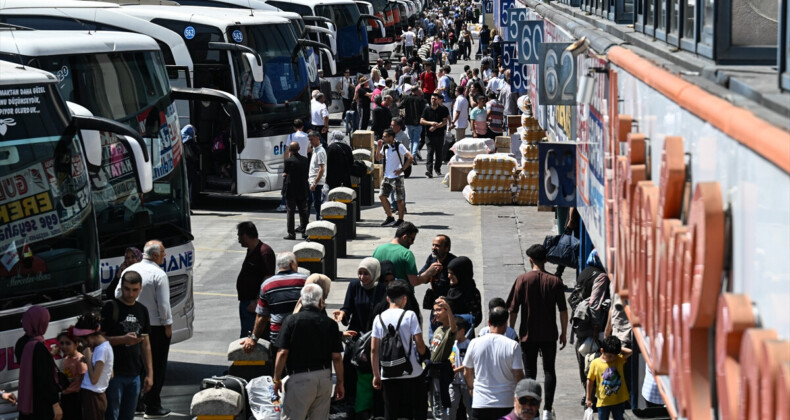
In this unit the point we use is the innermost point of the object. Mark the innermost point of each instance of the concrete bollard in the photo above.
(363, 154)
(250, 365)
(217, 404)
(367, 188)
(336, 212)
(324, 232)
(348, 196)
(310, 255)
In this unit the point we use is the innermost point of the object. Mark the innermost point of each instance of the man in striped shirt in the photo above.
(279, 294)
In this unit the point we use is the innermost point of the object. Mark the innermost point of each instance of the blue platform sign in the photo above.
(510, 32)
(530, 36)
(502, 14)
(488, 6)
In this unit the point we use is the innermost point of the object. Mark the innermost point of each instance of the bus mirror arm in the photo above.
(103, 124)
(226, 46)
(232, 106)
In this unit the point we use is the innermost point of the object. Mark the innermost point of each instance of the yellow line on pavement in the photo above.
(208, 353)
(215, 294)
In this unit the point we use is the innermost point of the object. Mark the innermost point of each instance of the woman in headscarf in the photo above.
(463, 296)
(362, 295)
(324, 282)
(38, 383)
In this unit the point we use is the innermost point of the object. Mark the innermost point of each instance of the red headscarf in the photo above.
(34, 321)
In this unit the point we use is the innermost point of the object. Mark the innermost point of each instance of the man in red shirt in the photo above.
(535, 295)
(258, 266)
(428, 80)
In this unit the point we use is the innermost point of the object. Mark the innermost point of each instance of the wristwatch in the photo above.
(254, 337)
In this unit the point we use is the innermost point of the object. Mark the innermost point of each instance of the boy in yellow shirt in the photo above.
(607, 372)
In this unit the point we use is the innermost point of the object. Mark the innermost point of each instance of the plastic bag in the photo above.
(588, 414)
(265, 405)
(470, 147)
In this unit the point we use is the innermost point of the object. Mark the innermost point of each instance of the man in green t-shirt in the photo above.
(397, 251)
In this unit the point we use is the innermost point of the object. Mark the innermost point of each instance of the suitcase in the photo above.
(233, 383)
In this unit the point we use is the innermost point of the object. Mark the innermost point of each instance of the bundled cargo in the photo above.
(527, 190)
(489, 182)
(495, 164)
(470, 147)
(487, 197)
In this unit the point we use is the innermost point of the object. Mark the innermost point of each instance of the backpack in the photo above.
(453, 87)
(394, 360)
(360, 356)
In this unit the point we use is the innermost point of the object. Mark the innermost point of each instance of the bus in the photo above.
(122, 76)
(379, 44)
(48, 229)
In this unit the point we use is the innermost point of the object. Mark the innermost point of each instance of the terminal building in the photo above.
(678, 116)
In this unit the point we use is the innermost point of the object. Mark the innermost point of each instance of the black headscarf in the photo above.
(463, 270)
(387, 267)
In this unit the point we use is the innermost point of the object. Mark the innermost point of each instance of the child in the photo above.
(74, 368)
(607, 372)
(499, 302)
(479, 118)
(441, 369)
(459, 391)
(99, 357)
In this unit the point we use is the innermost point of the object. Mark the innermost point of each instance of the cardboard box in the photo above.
(378, 172)
(503, 150)
(502, 142)
(514, 121)
(458, 173)
(363, 139)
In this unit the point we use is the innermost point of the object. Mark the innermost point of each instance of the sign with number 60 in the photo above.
(556, 74)
(529, 38)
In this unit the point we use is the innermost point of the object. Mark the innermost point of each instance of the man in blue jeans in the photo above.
(316, 178)
(127, 326)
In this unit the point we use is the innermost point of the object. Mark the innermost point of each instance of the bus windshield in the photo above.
(131, 88)
(283, 93)
(352, 37)
(47, 230)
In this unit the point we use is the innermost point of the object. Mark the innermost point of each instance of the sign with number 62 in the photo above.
(529, 38)
(556, 74)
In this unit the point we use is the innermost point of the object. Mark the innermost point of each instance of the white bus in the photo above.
(48, 232)
(122, 76)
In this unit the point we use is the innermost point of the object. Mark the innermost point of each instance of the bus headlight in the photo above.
(249, 166)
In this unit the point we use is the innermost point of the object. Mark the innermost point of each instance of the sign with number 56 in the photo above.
(556, 74)
(529, 38)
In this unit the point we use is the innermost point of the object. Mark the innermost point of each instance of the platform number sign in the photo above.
(518, 72)
(504, 6)
(489, 6)
(556, 74)
(509, 56)
(530, 38)
(513, 16)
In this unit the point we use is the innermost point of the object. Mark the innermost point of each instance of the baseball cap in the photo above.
(528, 388)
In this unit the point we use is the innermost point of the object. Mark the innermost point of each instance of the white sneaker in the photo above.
(547, 415)
(281, 208)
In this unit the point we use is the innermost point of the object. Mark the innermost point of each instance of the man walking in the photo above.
(295, 191)
(435, 119)
(495, 117)
(319, 116)
(258, 265)
(396, 159)
(309, 345)
(279, 294)
(325, 86)
(125, 321)
(316, 177)
(408, 41)
(405, 394)
(460, 114)
(346, 88)
(492, 367)
(413, 106)
(382, 116)
(535, 294)
(155, 296)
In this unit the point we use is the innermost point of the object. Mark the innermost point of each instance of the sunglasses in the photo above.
(528, 401)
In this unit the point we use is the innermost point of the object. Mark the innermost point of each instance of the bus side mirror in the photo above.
(255, 66)
(91, 139)
(144, 168)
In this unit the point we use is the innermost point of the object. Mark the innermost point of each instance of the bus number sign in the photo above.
(529, 38)
(237, 36)
(189, 32)
(556, 74)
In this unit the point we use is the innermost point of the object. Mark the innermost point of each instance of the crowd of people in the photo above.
(387, 358)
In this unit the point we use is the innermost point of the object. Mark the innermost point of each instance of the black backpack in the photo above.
(394, 360)
(360, 356)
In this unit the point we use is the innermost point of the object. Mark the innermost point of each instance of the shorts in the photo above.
(388, 184)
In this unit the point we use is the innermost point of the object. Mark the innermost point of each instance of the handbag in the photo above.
(360, 356)
(565, 251)
(428, 299)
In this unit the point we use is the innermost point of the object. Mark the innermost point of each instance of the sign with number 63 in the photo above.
(529, 38)
(556, 74)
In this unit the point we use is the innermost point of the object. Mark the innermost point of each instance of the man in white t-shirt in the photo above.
(492, 368)
(460, 114)
(396, 160)
(405, 395)
(316, 177)
(408, 41)
(319, 116)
